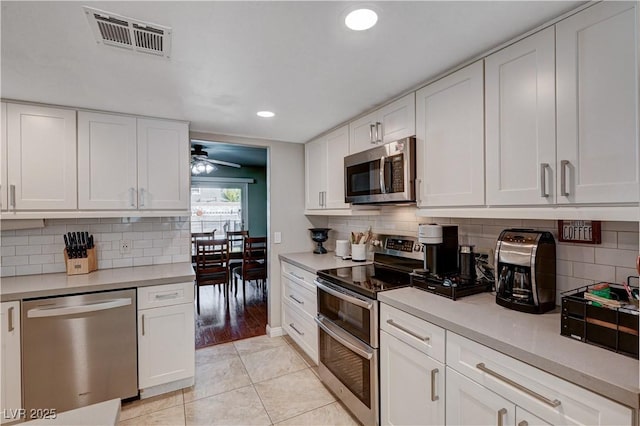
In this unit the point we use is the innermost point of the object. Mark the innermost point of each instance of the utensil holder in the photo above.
(81, 265)
(359, 252)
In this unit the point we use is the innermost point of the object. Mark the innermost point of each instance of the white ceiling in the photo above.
(231, 59)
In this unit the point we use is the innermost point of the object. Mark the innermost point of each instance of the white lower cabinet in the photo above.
(299, 307)
(166, 334)
(489, 375)
(11, 381)
(412, 371)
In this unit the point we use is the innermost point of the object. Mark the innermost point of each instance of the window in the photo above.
(218, 205)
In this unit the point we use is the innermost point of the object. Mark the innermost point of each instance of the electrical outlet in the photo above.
(125, 246)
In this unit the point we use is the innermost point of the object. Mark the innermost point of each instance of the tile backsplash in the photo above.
(153, 241)
(577, 264)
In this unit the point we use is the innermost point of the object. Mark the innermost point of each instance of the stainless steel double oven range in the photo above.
(348, 331)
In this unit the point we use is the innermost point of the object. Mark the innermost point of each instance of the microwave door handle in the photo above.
(383, 188)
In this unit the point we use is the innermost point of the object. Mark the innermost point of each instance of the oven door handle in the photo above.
(344, 338)
(344, 296)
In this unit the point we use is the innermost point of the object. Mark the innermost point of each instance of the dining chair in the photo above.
(254, 263)
(195, 236)
(235, 248)
(211, 265)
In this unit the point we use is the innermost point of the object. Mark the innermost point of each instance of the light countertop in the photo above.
(314, 262)
(31, 286)
(534, 339)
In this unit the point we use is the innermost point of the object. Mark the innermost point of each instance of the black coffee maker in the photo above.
(526, 270)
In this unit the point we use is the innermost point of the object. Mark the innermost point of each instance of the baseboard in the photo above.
(275, 332)
(167, 387)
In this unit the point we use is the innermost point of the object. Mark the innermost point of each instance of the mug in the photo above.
(358, 252)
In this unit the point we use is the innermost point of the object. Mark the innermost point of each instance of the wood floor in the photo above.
(225, 319)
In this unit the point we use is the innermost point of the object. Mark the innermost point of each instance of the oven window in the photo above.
(352, 370)
(349, 317)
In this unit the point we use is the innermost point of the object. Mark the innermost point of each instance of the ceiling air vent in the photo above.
(119, 31)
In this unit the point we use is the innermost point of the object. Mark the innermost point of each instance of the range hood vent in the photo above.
(119, 31)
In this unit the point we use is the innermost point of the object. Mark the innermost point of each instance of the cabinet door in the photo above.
(107, 165)
(398, 119)
(166, 344)
(597, 87)
(42, 155)
(4, 201)
(521, 122)
(11, 391)
(362, 133)
(163, 165)
(525, 418)
(337, 148)
(469, 403)
(411, 385)
(315, 170)
(450, 140)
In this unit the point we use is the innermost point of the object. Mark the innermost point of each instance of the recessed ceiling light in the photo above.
(265, 114)
(361, 19)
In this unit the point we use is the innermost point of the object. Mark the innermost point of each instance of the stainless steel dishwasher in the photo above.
(79, 350)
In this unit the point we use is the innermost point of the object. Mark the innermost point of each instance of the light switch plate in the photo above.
(277, 237)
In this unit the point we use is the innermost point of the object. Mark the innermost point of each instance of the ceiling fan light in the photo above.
(201, 167)
(210, 168)
(194, 169)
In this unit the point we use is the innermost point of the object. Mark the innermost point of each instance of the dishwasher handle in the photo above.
(58, 311)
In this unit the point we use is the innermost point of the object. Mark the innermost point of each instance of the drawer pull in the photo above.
(406, 330)
(296, 300)
(434, 397)
(523, 423)
(167, 296)
(553, 403)
(296, 276)
(296, 330)
(501, 413)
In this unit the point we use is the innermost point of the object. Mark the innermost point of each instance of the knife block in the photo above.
(83, 265)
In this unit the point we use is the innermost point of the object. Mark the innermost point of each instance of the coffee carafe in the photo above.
(526, 270)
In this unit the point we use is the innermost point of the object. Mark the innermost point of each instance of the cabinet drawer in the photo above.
(165, 295)
(302, 329)
(299, 275)
(548, 397)
(422, 335)
(299, 295)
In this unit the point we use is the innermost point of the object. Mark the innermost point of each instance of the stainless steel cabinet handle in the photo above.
(296, 300)
(418, 184)
(406, 330)
(12, 196)
(378, 132)
(501, 413)
(434, 397)
(324, 198)
(10, 315)
(167, 296)
(383, 188)
(553, 403)
(320, 198)
(132, 197)
(563, 178)
(543, 180)
(371, 127)
(523, 423)
(296, 330)
(141, 197)
(143, 324)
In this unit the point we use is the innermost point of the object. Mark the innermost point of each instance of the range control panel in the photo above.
(399, 245)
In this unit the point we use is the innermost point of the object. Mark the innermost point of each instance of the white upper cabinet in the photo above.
(391, 122)
(4, 201)
(597, 89)
(42, 158)
(163, 164)
(450, 140)
(107, 163)
(520, 122)
(324, 170)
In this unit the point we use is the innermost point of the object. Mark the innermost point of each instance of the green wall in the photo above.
(257, 194)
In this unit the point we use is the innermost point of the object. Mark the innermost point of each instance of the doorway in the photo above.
(229, 193)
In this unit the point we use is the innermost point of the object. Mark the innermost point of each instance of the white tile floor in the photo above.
(257, 381)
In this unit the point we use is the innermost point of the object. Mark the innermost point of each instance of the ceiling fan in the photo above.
(201, 163)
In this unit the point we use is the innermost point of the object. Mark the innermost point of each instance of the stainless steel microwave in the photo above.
(384, 174)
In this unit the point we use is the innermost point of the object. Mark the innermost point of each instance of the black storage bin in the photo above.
(611, 328)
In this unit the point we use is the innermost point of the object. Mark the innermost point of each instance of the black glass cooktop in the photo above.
(367, 280)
